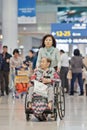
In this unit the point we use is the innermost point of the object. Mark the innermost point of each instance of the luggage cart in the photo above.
(21, 81)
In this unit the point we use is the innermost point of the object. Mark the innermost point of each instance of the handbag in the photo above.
(40, 88)
(84, 73)
(69, 74)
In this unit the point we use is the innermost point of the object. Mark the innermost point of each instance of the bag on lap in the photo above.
(40, 88)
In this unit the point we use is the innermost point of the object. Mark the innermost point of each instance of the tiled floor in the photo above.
(12, 116)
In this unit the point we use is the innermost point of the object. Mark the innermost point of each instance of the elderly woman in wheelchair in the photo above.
(42, 87)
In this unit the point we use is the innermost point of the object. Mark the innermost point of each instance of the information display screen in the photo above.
(71, 33)
(72, 14)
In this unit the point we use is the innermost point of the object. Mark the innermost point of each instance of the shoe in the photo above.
(81, 94)
(2, 94)
(22, 95)
(10, 90)
(16, 96)
(67, 91)
(75, 91)
(71, 94)
(7, 93)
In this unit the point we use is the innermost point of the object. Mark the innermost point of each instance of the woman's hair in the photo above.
(48, 60)
(15, 51)
(76, 52)
(31, 51)
(62, 51)
(5, 46)
(53, 40)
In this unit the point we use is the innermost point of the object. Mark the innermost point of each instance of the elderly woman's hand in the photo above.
(46, 80)
(24, 66)
(30, 64)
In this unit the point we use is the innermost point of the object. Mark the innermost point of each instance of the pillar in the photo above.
(82, 49)
(9, 24)
(70, 50)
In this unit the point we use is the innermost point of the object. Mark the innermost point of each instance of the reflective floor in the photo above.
(12, 116)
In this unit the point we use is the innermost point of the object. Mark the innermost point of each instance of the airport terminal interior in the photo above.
(56, 17)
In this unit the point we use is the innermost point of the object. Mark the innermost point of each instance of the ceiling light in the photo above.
(1, 36)
(24, 28)
(21, 47)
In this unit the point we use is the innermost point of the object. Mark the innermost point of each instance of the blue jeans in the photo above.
(80, 82)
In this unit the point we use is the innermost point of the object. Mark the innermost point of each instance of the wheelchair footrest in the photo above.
(48, 111)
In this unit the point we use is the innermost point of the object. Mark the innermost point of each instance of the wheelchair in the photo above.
(59, 103)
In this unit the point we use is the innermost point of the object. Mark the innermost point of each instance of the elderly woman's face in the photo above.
(48, 42)
(44, 64)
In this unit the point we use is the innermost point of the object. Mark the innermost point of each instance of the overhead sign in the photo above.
(71, 14)
(26, 11)
(71, 33)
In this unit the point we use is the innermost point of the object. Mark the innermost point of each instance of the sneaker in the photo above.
(10, 90)
(71, 94)
(7, 93)
(13, 95)
(16, 96)
(2, 95)
(81, 94)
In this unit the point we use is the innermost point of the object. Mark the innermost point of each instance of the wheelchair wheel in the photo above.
(26, 102)
(26, 106)
(60, 101)
(55, 114)
(27, 117)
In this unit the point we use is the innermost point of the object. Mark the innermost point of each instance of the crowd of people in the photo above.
(48, 52)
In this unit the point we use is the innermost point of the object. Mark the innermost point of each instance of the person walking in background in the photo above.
(15, 62)
(76, 67)
(31, 59)
(64, 66)
(1, 77)
(5, 69)
(48, 50)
